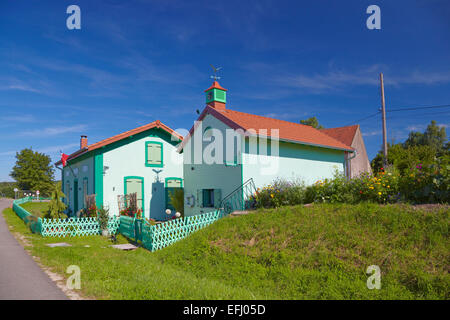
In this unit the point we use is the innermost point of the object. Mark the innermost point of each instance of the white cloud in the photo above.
(18, 118)
(49, 149)
(7, 153)
(371, 133)
(416, 127)
(53, 131)
(335, 78)
(64, 148)
(19, 87)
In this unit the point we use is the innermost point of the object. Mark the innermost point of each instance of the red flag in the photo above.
(64, 158)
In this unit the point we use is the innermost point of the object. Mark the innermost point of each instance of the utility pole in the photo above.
(383, 118)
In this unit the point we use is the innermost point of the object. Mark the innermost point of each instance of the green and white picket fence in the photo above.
(161, 235)
(152, 237)
(73, 227)
(62, 227)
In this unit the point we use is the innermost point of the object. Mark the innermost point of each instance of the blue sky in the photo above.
(133, 62)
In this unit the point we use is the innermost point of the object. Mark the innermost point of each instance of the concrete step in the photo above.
(239, 213)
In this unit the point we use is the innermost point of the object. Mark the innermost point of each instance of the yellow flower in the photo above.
(379, 193)
(388, 186)
(271, 195)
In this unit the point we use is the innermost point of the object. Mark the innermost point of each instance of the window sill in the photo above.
(230, 164)
(154, 165)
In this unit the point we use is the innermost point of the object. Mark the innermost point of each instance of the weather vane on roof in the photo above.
(215, 77)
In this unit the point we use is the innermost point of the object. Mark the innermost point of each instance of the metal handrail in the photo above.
(247, 183)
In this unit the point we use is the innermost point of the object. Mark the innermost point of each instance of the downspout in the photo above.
(354, 155)
(348, 164)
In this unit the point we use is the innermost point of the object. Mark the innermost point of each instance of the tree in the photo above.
(56, 206)
(33, 171)
(313, 122)
(7, 189)
(420, 148)
(433, 136)
(415, 138)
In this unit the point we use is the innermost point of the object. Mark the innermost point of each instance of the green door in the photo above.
(75, 196)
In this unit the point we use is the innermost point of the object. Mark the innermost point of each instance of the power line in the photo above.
(400, 109)
(417, 108)
(419, 115)
(362, 119)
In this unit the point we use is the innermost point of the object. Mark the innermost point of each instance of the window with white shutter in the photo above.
(153, 154)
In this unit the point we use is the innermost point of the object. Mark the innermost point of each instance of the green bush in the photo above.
(423, 184)
(103, 216)
(176, 198)
(282, 192)
(56, 206)
(336, 190)
(427, 183)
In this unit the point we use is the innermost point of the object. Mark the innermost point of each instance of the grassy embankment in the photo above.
(37, 209)
(319, 252)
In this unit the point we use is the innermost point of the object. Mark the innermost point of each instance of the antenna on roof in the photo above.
(215, 77)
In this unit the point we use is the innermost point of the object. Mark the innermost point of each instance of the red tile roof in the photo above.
(288, 131)
(126, 134)
(217, 86)
(343, 134)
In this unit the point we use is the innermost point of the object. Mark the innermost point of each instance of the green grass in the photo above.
(320, 252)
(37, 209)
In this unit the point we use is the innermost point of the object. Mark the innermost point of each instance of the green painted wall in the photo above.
(295, 161)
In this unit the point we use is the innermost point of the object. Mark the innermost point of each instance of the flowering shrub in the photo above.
(281, 192)
(429, 183)
(89, 212)
(382, 187)
(424, 184)
(130, 212)
(333, 190)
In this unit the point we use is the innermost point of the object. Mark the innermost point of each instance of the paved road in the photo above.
(20, 277)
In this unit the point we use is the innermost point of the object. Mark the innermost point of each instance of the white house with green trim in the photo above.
(227, 148)
(143, 160)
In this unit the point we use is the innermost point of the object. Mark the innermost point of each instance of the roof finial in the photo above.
(215, 77)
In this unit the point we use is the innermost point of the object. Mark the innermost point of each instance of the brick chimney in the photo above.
(83, 142)
(216, 96)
